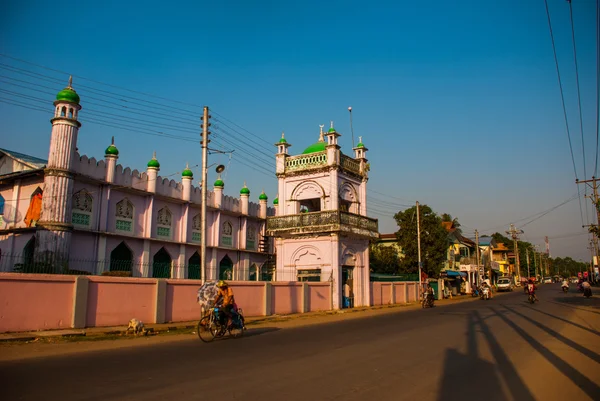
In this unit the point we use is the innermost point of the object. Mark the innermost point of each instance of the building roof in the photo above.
(30, 161)
(485, 240)
(501, 247)
(387, 236)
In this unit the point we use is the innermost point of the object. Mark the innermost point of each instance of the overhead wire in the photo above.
(597, 84)
(562, 98)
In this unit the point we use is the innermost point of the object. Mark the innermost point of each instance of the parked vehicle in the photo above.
(504, 284)
(210, 326)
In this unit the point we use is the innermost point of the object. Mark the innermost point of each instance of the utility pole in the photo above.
(594, 197)
(205, 124)
(419, 243)
(514, 233)
(534, 261)
(528, 272)
(477, 253)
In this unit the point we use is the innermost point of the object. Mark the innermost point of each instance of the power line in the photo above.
(562, 98)
(597, 83)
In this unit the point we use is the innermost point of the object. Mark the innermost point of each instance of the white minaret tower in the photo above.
(53, 237)
(186, 181)
(244, 195)
(152, 172)
(110, 156)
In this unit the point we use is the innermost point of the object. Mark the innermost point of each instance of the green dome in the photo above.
(112, 150)
(68, 95)
(262, 196)
(154, 163)
(331, 129)
(276, 201)
(244, 191)
(314, 148)
(360, 145)
(219, 183)
(282, 140)
(187, 173)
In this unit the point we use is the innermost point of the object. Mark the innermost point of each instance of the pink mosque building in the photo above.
(74, 214)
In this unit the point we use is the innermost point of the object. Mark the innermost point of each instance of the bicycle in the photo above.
(210, 327)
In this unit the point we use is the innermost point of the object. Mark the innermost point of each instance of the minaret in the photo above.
(110, 156)
(262, 202)
(282, 153)
(360, 153)
(244, 195)
(218, 191)
(53, 237)
(333, 154)
(186, 181)
(276, 205)
(152, 172)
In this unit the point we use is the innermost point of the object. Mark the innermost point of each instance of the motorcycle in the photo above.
(531, 298)
(213, 325)
(565, 289)
(485, 293)
(427, 300)
(587, 292)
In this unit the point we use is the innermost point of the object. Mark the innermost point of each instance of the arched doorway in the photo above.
(194, 267)
(27, 265)
(161, 264)
(121, 259)
(253, 276)
(226, 269)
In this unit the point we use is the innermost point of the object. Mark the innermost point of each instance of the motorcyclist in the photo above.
(586, 286)
(429, 293)
(565, 283)
(531, 289)
(224, 301)
(488, 285)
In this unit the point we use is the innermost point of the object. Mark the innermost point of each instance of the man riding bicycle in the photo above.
(224, 301)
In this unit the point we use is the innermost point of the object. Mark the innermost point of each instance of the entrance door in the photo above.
(347, 287)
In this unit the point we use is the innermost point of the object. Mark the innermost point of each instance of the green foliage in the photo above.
(567, 267)
(455, 224)
(434, 240)
(501, 238)
(383, 259)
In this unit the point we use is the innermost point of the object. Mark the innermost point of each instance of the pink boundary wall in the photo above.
(42, 302)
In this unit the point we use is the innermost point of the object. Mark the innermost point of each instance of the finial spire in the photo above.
(331, 124)
(282, 135)
(321, 138)
(70, 81)
(154, 154)
(187, 165)
(112, 142)
(321, 126)
(359, 139)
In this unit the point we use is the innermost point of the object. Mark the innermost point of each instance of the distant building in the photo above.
(73, 213)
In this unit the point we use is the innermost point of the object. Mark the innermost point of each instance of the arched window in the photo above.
(121, 258)
(253, 276)
(226, 269)
(63, 111)
(194, 267)
(161, 264)
(251, 238)
(196, 236)
(70, 112)
(227, 234)
(163, 223)
(81, 214)
(124, 216)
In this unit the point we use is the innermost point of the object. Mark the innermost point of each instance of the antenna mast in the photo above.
(351, 128)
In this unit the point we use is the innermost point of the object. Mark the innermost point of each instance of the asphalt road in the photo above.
(501, 349)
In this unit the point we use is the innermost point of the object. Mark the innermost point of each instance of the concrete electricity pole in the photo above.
(419, 243)
(594, 197)
(535, 247)
(514, 233)
(205, 124)
(528, 272)
(477, 253)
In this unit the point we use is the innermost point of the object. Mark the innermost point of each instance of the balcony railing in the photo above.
(350, 164)
(320, 222)
(302, 162)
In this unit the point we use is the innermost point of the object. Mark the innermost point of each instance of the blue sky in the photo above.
(458, 102)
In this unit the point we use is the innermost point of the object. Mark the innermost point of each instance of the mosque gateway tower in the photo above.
(321, 228)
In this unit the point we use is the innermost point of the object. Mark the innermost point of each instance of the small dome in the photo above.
(112, 151)
(331, 130)
(360, 145)
(282, 140)
(244, 190)
(315, 147)
(68, 94)
(276, 201)
(153, 162)
(187, 172)
(263, 196)
(219, 183)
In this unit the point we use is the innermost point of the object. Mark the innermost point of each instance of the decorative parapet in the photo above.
(305, 162)
(350, 164)
(321, 222)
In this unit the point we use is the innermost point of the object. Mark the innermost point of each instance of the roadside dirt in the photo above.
(45, 347)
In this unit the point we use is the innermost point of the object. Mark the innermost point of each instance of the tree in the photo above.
(434, 240)
(455, 224)
(383, 259)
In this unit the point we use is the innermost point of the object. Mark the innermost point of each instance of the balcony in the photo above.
(322, 222)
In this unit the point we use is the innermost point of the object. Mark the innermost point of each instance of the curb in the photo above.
(27, 337)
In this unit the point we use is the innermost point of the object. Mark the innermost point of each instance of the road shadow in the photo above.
(457, 366)
(578, 301)
(562, 320)
(252, 333)
(587, 352)
(585, 384)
